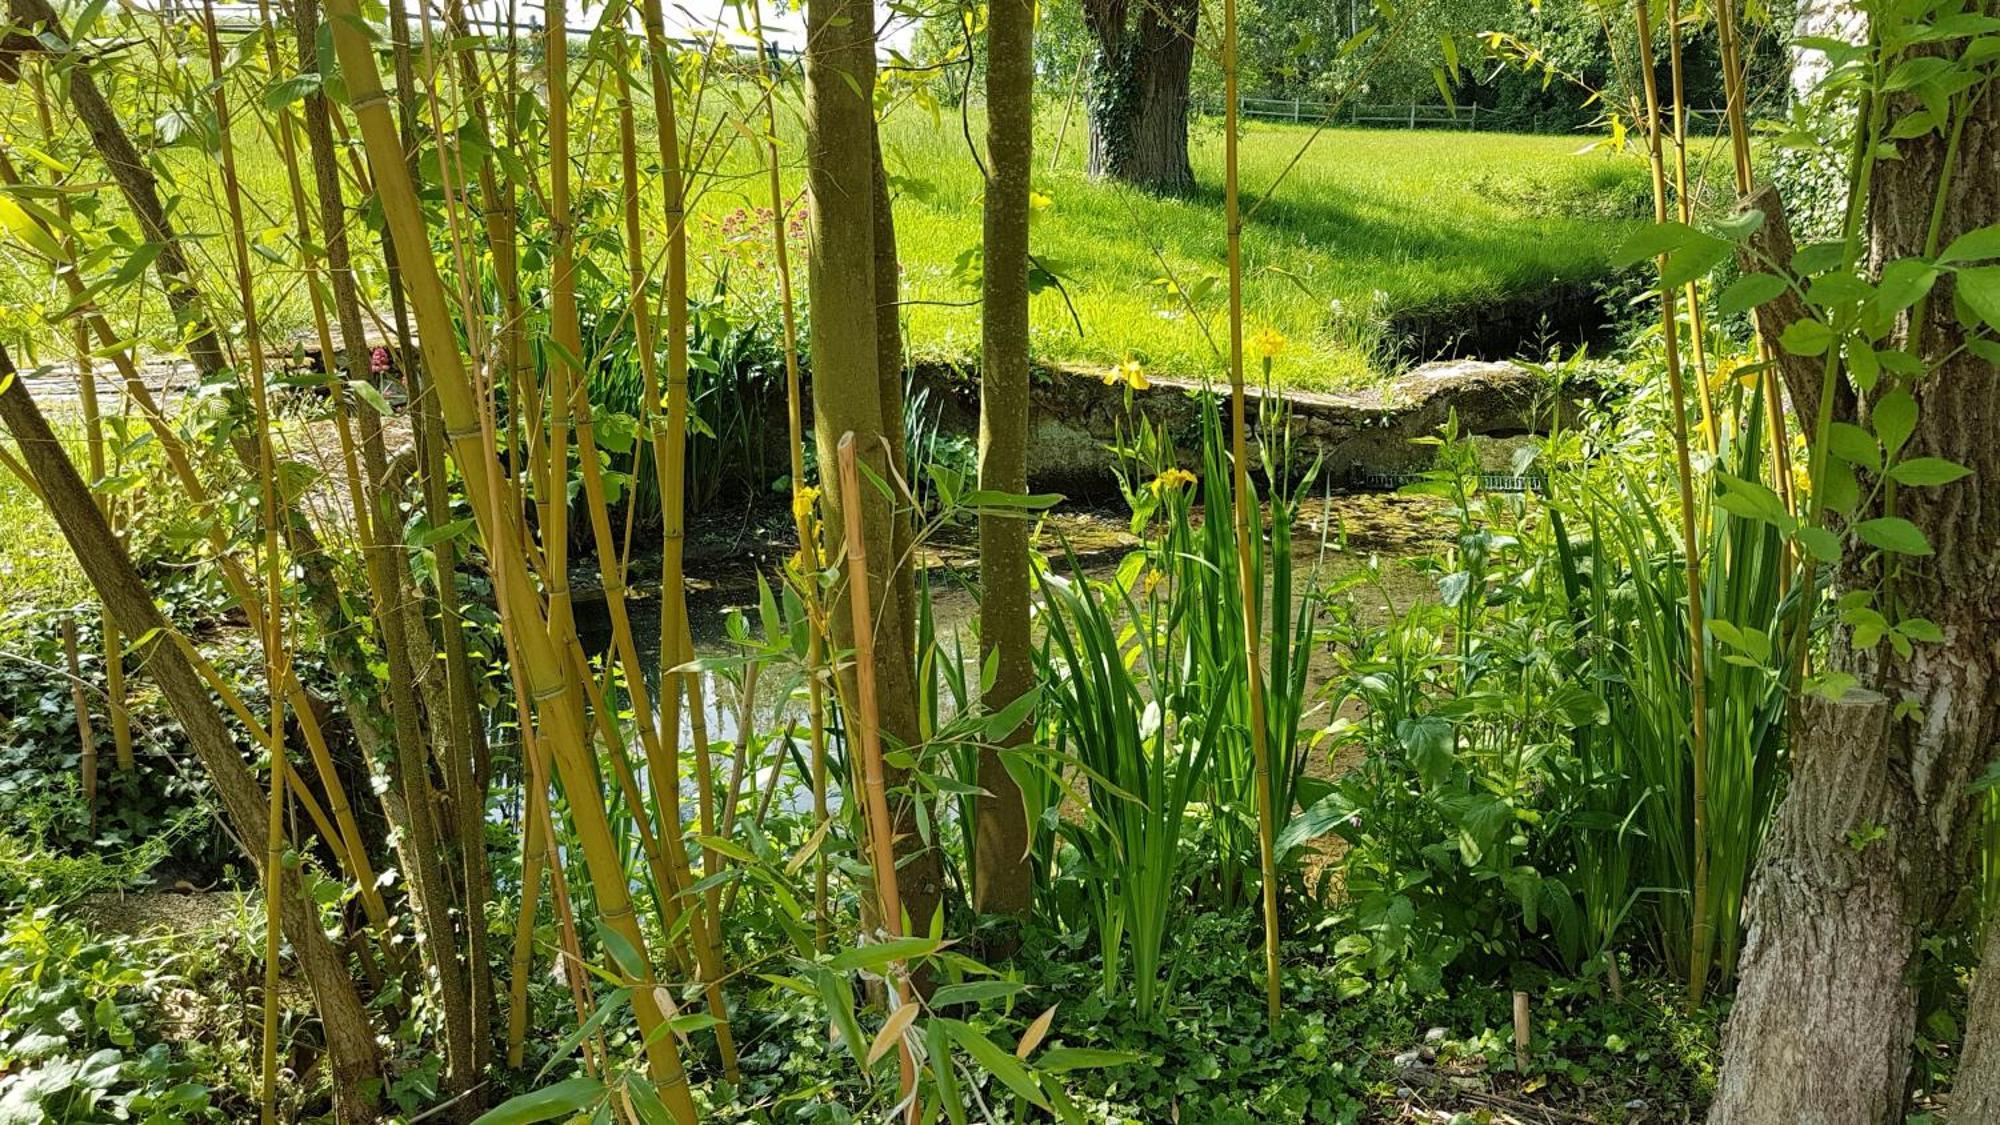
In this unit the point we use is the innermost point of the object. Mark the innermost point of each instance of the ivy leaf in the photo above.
(1895, 535)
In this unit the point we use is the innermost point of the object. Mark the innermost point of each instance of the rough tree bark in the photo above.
(1138, 93)
(1002, 880)
(1871, 842)
(355, 1062)
(849, 344)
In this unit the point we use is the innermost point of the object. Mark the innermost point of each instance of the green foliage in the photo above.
(155, 819)
(78, 1037)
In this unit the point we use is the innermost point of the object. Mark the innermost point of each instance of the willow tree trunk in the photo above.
(849, 342)
(1871, 842)
(1002, 880)
(1138, 94)
(351, 1051)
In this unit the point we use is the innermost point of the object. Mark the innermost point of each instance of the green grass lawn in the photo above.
(1367, 225)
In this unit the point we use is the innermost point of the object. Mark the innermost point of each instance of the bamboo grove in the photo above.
(463, 796)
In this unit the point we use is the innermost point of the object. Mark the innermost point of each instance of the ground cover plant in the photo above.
(372, 750)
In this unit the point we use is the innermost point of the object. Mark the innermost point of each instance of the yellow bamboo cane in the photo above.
(549, 693)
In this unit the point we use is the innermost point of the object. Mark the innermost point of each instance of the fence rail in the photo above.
(1416, 115)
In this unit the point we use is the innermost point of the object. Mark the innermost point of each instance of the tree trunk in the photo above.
(1871, 841)
(1003, 882)
(1138, 95)
(355, 1063)
(850, 297)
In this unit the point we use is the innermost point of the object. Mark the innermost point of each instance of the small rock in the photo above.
(1411, 1059)
(1404, 1093)
(1434, 1035)
(1429, 1052)
(1636, 1104)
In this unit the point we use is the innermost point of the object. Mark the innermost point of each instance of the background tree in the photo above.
(1003, 883)
(1138, 90)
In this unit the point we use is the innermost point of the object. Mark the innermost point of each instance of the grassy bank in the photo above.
(1368, 225)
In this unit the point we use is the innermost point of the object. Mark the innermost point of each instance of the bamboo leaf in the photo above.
(1082, 1058)
(898, 1022)
(1037, 1031)
(997, 1062)
(570, 1096)
(877, 954)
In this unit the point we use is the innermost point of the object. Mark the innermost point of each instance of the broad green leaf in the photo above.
(1822, 544)
(1904, 282)
(877, 954)
(975, 992)
(30, 233)
(1655, 240)
(1806, 337)
(1749, 291)
(1060, 1059)
(1973, 246)
(1893, 534)
(1979, 288)
(1894, 417)
(1922, 472)
(366, 392)
(1855, 446)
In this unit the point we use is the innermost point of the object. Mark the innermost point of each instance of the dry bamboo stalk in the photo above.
(1521, 1032)
(86, 737)
(868, 729)
(1245, 499)
(1690, 547)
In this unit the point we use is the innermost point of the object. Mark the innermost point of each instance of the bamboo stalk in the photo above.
(276, 657)
(86, 737)
(549, 693)
(805, 574)
(93, 432)
(1683, 197)
(1690, 547)
(1245, 499)
(868, 728)
(174, 450)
